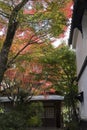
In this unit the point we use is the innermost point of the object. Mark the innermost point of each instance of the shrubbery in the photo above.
(22, 117)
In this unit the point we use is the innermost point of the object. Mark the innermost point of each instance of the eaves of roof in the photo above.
(37, 98)
(78, 11)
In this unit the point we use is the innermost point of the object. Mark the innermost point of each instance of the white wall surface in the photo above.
(81, 53)
(83, 87)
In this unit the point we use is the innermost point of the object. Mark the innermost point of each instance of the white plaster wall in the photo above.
(83, 87)
(81, 53)
(84, 27)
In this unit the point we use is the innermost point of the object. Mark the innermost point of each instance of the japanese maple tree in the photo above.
(26, 22)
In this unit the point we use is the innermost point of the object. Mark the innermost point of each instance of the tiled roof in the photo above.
(37, 98)
(47, 97)
(78, 10)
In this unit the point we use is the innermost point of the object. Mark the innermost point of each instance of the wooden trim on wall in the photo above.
(82, 69)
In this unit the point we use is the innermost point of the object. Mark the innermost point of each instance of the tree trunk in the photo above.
(74, 111)
(12, 27)
(6, 48)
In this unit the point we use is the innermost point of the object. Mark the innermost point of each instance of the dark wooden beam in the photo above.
(78, 11)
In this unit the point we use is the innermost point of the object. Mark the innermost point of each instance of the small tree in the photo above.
(59, 68)
(46, 20)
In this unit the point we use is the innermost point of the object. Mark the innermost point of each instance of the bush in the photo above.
(34, 121)
(73, 125)
(12, 121)
(22, 117)
(35, 113)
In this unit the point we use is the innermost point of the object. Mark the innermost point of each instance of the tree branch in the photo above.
(29, 43)
(20, 5)
(6, 15)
